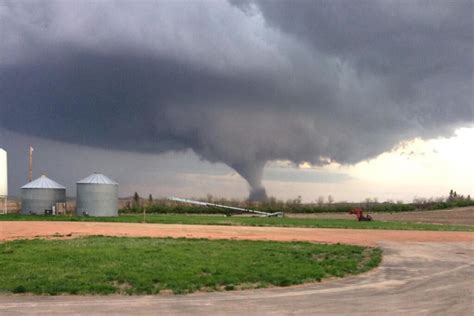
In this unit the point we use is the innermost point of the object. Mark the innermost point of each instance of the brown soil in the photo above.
(21, 230)
(457, 216)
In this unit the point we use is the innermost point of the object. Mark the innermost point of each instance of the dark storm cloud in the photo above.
(241, 84)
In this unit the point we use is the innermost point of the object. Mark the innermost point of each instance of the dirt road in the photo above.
(18, 229)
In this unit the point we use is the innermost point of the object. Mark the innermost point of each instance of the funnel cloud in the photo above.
(240, 82)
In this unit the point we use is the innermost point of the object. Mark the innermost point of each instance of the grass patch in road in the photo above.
(246, 221)
(106, 265)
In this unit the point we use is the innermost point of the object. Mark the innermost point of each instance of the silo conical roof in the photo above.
(97, 178)
(43, 182)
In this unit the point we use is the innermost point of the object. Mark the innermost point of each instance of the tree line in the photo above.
(272, 204)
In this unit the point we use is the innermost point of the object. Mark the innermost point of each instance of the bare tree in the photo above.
(330, 199)
(320, 200)
(136, 200)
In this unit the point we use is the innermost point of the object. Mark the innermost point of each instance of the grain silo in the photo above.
(40, 195)
(97, 195)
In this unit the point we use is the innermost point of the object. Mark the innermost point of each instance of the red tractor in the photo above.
(360, 216)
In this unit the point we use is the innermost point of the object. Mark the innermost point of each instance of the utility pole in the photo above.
(30, 165)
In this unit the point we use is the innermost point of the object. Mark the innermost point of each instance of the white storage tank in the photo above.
(3, 173)
(40, 195)
(3, 181)
(97, 195)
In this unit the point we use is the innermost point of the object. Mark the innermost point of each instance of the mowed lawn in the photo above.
(247, 221)
(106, 265)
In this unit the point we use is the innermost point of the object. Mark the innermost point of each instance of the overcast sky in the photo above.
(350, 98)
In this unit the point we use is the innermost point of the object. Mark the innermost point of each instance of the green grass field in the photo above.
(106, 265)
(247, 221)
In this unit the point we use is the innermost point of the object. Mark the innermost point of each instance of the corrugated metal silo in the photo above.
(97, 195)
(40, 195)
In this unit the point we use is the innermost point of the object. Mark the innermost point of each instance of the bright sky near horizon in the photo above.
(415, 168)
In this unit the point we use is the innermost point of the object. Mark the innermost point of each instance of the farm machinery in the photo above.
(358, 212)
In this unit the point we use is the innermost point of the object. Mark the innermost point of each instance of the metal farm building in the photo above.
(40, 195)
(97, 195)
